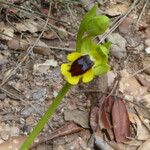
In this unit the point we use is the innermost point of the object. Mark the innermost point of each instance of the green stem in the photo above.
(48, 114)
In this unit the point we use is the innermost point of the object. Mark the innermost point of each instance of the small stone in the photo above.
(147, 42)
(5, 135)
(14, 131)
(147, 50)
(3, 60)
(38, 94)
(118, 48)
(2, 96)
(27, 111)
(146, 64)
(111, 77)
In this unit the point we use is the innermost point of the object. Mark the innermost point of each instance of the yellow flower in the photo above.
(79, 67)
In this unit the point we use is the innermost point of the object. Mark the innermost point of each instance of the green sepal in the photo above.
(107, 45)
(87, 45)
(101, 69)
(96, 25)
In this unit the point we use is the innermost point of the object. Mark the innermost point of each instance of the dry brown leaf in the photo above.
(117, 9)
(142, 132)
(12, 144)
(43, 68)
(69, 128)
(145, 145)
(78, 116)
(105, 114)
(120, 120)
(28, 25)
(130, 86)
(7, 32)
(94, 118)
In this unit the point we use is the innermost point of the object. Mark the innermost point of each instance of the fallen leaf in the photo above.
(78, 116)
(3, 60)
(94, 118)
(145, 145)
(143, 81)
(6, 31)
(12, 92)
(13, 143)
(69, 128)
(28, 25)
(142, 132)
(129, 86)
(43, 68)
(105, 114)
(22, 44)
(120, 120)
(117, 9)
(101, 144)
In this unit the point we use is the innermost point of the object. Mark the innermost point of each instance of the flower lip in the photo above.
(81, 65)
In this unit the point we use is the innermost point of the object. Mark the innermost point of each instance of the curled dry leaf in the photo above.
(94, 118)
(117, 9)
(66, 129)
(7, 32)
(120, 120)
(145, 145)
(105, 114)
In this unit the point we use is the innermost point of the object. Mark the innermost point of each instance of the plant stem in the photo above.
(48, 114)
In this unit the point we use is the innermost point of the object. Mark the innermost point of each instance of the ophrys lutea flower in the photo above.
(84, 66)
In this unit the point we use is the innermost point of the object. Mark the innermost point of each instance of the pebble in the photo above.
(27, 111)
(147, 50)
(38, 94)
(118, 48)
(3, 60)
(147, 42)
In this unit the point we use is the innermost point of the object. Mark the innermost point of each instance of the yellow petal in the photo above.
(88, 76)
(73, 80)
(73, 56)
(65, 69)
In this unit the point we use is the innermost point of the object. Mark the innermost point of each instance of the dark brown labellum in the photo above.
(81, 65)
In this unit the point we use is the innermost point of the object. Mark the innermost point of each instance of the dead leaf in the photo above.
(142, 132)
(130, 86)
(13, 143)
(69, 128)
(94, 118)
(120, 120)
(145, 145)
(12, 92)
(49, 35)
(3, 59)
(101, 144)
(78, 116)
(143, 81)
(22, 44)
(6, 31)
(117, 9)
(28, 25)
(105, 114)
(43, 68)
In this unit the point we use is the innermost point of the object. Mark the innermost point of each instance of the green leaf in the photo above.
(96, 25)
(104, 50)
(87, 45)
(90, 14)
(107, 45)
(101, 69)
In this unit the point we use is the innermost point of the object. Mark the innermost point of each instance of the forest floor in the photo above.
(35, 37)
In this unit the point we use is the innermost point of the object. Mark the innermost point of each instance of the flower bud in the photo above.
(97, 25)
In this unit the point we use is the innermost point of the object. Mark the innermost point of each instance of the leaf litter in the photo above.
(109, 120)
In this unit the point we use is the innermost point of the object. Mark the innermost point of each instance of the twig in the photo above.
(114, 27)
(143, 9)
(33, 12)
(28, 52)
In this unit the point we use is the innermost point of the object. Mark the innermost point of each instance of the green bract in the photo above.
(93, 25)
